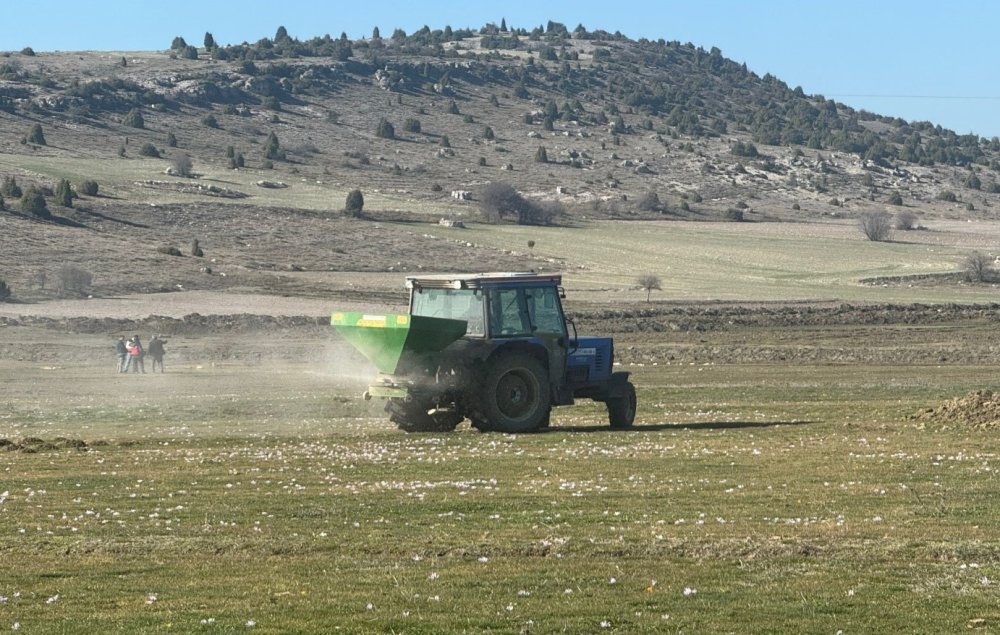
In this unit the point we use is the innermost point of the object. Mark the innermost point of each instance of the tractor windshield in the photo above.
(453, 304)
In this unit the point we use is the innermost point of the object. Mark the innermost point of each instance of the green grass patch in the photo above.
(750, 498)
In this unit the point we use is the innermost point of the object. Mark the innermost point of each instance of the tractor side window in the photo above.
(509, 314)
(545, 311)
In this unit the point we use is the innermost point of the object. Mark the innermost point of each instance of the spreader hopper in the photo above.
(386, 339)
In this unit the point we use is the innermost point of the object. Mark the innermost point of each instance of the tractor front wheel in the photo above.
(514, 395)
(621, 410)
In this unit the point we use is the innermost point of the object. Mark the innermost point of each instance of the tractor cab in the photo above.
(490, 347)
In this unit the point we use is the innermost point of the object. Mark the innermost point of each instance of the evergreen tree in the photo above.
(64, 194)
(89, 187)
(171, 140)
(35, 135)
(178, 44)
(33, 202)
(541, 155)
(272, 149)
(385, 130)
(281, 34)
(10, 188)
(355, 203)
(209, 41)
(134, 119)
(375, 34)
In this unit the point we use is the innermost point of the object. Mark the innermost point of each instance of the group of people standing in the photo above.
(131, 354)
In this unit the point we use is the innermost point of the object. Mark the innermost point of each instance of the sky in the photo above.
(922, 60)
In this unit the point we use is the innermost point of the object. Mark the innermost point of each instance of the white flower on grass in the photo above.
(53, 599)
(150, 598)
(689, 591)
(605, 624)
(434, 575)
(523, 593)
(16, 626)
(483, 559)
(250, 623)
(850, 593)
(370, 606)
(612, 581)
(984, 581)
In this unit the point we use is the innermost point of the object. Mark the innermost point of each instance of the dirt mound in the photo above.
(978, 409)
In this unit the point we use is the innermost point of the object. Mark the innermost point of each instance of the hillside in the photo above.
(630, 130)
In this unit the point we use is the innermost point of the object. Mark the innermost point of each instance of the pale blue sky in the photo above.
(917, 59)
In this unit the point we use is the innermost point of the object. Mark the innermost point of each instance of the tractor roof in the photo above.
(483, 280)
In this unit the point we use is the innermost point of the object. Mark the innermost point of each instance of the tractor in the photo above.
(495, 348)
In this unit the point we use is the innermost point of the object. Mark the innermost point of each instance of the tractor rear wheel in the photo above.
(412, 416)
(621, 410)
(514, 395)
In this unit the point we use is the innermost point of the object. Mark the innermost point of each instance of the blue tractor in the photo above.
(495, 348)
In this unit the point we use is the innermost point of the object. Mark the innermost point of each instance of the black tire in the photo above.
(514, 395)
(411, 416)
(621, 410)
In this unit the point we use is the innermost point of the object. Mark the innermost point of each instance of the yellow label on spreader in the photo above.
(338, 318)
(377, 321)
(402, 320)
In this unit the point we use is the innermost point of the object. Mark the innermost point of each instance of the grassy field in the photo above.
(749, 498)
(753, 261)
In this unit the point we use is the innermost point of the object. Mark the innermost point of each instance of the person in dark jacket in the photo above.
(155, 351)
(122, 351)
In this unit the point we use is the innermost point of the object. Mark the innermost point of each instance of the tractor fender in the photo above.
(518, 346)
(617, 384)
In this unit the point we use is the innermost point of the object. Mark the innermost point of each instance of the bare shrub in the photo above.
(905, 221)
(500, 200)
(182, 165)
(649, 202)
(733, 215)
(649, 282)
(977, 267)
(5, 291)
(876, 226)
(38, 278)
(70, 279)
